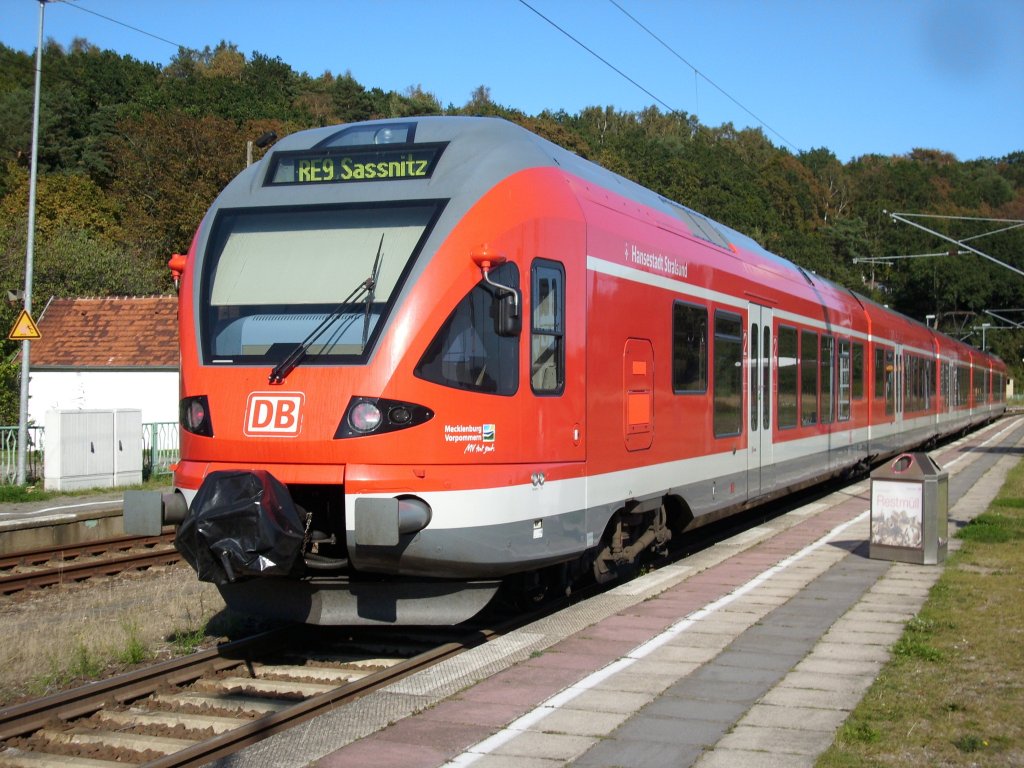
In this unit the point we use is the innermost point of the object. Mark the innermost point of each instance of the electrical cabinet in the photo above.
(92, 449)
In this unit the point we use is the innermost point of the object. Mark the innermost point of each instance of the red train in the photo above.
(420, 356)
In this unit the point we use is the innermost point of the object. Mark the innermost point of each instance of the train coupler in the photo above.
(242, 523)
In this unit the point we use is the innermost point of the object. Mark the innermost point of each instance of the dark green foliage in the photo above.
(132, 154)
(10, 385)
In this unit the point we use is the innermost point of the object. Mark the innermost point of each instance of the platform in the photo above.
(752, 652)
(64, 520)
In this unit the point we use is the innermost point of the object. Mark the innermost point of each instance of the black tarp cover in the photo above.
(241, 523)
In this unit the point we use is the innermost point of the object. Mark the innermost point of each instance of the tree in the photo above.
(63, 201)
(79, 244)
(10, 374)
(480, 101)
(225, 61)
(421, 102)
(170, 168)
(833, 186)
(221, 83)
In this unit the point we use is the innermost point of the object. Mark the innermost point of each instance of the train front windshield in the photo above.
(273, 277)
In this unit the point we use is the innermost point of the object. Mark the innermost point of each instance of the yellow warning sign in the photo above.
(24, 329)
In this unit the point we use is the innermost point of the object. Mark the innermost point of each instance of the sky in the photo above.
(854, 76)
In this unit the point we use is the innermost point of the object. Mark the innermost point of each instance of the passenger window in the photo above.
(547, 339)
(827, 376)
(963, 384)
(808, 378)
(788, 380)
(879, 373)
(728, 383)
(467, 352)
(858, 371)
(753, 362)
(889, 379)
(689, 348)
(844, 380)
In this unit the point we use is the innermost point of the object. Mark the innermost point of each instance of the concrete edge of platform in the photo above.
(62, 525)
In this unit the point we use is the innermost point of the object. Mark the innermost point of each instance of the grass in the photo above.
(84, 663)
(96, 659)
(135, 650)
(11, 494)
(63, 638)
(953, 692)
(70, 635)
(89, 661)
(190, 638)
(186, 641)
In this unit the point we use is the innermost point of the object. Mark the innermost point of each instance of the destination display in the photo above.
(357, 164)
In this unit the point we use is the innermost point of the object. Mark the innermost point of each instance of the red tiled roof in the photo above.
(118, 332)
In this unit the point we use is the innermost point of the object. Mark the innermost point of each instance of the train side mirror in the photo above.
(508, 320)
(177, 264)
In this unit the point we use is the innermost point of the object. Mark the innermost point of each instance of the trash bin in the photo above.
(909, 510)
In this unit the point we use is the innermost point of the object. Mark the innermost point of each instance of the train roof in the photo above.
(478, 153)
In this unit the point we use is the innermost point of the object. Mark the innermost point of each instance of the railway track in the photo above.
(77, 562)
(189, 711)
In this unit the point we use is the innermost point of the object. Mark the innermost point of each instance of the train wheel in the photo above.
(628, 536)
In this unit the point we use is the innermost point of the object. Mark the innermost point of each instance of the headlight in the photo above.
(377, 415)
(194, 415)
(364, 417)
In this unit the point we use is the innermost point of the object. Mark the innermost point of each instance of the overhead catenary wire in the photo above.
(123, 24)
(599, 57)
(958, 218)
(697, 73)
(907, 218)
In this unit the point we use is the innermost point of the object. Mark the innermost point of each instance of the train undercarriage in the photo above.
(281, 551)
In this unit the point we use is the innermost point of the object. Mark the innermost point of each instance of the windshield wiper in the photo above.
(372, 284)
(298, 354)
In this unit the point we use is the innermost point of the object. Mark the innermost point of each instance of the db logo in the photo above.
(273, 414)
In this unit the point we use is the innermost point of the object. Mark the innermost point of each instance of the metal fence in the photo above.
(9, 454)
(160, 447)
(159, 451)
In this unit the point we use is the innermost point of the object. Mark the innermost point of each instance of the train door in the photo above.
(557, 362)
(761, 346)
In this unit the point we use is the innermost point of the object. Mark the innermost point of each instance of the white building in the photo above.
(119, 352)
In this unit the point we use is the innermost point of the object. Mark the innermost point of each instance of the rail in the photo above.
(132, 710)
(78, 562)
(159, 450)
